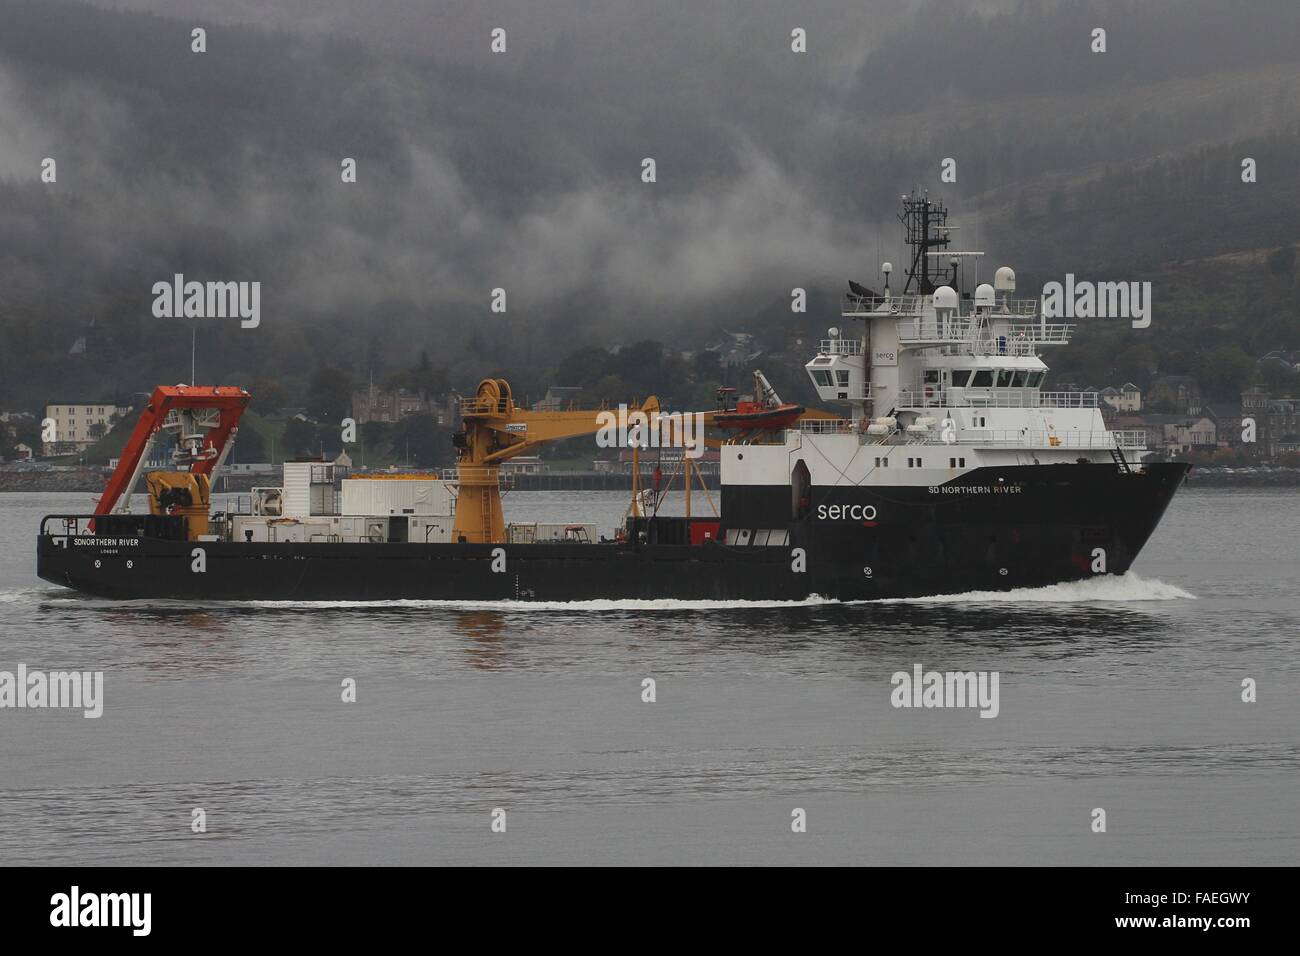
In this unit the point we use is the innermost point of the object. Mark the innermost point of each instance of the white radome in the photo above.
(945, 299)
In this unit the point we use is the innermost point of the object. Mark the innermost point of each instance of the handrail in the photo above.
(65, 518)
(840, 347)
(937, 397)
(852, 304)
(1037, 438)
(827, 426)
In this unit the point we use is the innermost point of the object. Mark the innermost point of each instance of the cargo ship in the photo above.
(948, 466)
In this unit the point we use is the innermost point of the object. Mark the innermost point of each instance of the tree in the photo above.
(375, 435)
(420, 440)
(329, 395)
(583, 368)
(269, 396)
(1224, 371)
(249, 447)
(421, 377)
(706, 366)
(643, 366)
(300, 439)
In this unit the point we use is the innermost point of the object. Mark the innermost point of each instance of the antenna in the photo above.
(926, 223)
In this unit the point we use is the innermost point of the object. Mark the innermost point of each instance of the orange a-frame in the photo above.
(229, 400)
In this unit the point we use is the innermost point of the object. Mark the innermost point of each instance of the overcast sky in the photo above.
(522, 170)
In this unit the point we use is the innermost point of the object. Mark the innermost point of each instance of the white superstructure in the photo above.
(935, 384)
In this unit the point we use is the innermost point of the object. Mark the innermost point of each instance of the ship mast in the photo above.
(927, 228)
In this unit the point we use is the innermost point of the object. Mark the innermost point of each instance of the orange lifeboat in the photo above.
(757, 416)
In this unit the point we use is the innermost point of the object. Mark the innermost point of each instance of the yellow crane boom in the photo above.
(496, 429)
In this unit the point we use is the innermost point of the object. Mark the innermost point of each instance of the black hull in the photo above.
(992, 529)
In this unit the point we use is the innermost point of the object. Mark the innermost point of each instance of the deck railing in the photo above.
(863, 305)
(841, 347)
(994, 398)
(1032, 438)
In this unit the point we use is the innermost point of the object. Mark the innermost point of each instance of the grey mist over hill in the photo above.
(522, 170)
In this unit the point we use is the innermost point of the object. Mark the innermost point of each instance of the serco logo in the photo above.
(864, 513)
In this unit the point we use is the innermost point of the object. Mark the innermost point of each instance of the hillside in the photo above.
(225, 166)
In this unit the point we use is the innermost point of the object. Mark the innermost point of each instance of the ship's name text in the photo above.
(974, 489)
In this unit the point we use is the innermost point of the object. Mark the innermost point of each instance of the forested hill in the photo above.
(523, 172)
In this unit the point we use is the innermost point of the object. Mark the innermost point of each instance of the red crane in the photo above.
(205, 418)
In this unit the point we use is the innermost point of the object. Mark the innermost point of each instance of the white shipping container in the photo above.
(395, 496)
(297, 484)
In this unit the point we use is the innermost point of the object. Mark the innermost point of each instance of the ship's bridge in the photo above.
(976, 380)
(839, 369)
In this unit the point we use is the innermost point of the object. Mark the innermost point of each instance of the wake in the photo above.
(1105, 589)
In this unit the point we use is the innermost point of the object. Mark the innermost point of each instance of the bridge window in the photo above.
(960, 377)
(983, 378)
(822, 377)
(842, 377)
(1035, 379)
(1018, 381)
(1004, 378)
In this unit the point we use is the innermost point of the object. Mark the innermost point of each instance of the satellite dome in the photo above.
(1004, 280)
(945, 299)
(984, 296)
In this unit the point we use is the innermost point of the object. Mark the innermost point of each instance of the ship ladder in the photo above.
(1117, 454)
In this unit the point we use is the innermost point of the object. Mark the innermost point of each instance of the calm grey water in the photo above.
(1121, 694)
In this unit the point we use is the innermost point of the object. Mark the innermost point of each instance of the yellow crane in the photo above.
(495, 429)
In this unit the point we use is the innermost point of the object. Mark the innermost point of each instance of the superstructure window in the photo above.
(983, 378)
(842, 377)
(1035, 379)
(960, 377)
(1004, 378)
(1018, 380)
